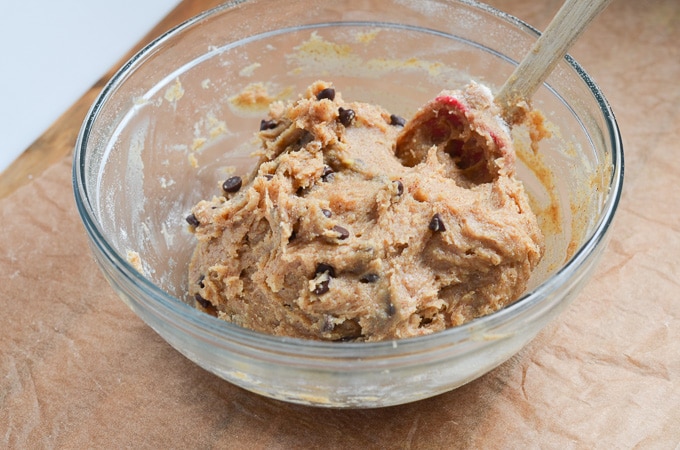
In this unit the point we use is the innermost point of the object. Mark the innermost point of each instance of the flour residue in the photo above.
(174, 92)
(256, 97)
(328, 58)
(248, 71)
(134, 259)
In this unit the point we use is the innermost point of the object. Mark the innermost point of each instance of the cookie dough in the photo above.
(359, 225)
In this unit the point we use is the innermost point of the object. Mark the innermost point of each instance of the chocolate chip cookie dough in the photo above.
(359, 225)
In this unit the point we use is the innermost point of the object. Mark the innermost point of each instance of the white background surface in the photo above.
(52, 51)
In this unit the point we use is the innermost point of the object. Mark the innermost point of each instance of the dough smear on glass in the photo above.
(358, 225)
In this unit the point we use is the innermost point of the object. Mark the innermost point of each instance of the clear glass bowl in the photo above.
(167, 129)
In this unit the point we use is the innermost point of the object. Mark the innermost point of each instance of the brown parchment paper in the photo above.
(79, 370)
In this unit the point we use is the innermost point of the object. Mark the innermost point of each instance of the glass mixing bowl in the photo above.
(170, 125)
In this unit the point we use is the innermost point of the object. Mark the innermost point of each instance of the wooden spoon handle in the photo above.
(567, 25)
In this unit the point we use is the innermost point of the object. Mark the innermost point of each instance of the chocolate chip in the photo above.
(397, 120)
(326, 212)
(268, 176)
(437, 223)
(327, 174)
(400, 186)
(322, 287)
(267, 124)
(200, 281)
(322, 268)
(232, 184)
(346, 116)
(391, 309)
(328, 93)
(369, 278)
(343, 232)
(203, 302)
(192, 220)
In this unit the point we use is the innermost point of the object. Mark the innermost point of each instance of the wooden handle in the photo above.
(567, 25)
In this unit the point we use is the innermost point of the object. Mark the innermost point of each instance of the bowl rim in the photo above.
(219, 332)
